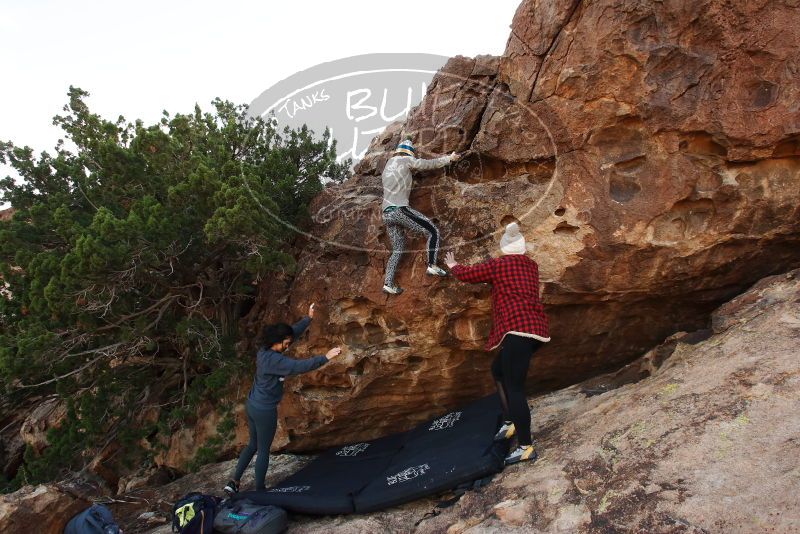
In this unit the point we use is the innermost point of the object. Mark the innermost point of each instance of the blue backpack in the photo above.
(96, 519)
(194, 514)
(245, 517)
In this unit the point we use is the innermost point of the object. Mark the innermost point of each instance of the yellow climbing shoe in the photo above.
(522, 454)
(506, 431)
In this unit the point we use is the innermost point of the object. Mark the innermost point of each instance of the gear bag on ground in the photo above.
(245, 517)
(96, 519)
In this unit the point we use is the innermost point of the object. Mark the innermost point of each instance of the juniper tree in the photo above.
(133, 248)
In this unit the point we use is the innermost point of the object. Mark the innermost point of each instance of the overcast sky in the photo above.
(138, 58)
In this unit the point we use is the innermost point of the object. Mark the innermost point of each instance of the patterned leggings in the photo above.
(405, 217)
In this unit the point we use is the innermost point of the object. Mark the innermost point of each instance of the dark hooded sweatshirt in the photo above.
(272, 367)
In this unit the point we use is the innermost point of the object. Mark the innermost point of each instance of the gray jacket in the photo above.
(397, 177)
(271, 369)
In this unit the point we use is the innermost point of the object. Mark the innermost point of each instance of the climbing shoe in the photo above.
(506, 431)
(231, 488)
(522, 454)
(436, 270)
(393, 290)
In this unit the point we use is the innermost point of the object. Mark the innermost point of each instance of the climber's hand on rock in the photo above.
(454, 156)
(334, 352)
(311, 311)
(450, 260)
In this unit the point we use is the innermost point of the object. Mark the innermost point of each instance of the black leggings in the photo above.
(262, 424)
(509, 369)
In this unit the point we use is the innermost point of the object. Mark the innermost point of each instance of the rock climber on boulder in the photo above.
(519, 328)
(397, 214)
(261, 406)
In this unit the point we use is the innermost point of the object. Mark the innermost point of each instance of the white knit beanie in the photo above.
(513, 242)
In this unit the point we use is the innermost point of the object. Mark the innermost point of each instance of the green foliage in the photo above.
(131, 254)
(210, 451)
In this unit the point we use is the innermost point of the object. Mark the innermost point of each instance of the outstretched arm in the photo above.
(278, 364)
(300, 326)
(428, 164)
(474, 274)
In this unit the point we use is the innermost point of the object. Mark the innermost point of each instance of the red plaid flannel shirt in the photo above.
(515, 296)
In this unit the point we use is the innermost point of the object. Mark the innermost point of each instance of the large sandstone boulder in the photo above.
(650, 152)
(41, 509)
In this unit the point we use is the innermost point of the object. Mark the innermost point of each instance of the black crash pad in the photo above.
(435, 456)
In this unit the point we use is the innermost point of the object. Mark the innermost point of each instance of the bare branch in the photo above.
(158, 317)
(104, 352)
(56, 379)
(136, 314)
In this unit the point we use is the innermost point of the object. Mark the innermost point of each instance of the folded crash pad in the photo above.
(438, 455)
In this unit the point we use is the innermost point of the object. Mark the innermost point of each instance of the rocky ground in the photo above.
(707, 441)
